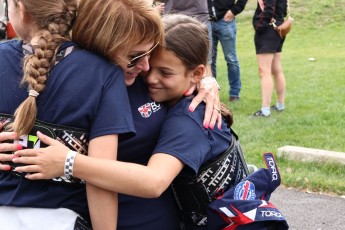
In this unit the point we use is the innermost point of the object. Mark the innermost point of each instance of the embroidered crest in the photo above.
(145, 110)
(245, 191)
(149, 108)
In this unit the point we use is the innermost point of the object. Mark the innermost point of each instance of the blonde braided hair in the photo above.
(54, 20)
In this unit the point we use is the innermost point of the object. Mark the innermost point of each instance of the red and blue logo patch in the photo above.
(145, 110)
(245, 190)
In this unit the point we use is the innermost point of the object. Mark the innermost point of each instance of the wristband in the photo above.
(69, 163)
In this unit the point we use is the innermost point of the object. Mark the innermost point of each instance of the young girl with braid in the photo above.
(184, 148)
(127, 33)
(51, 85)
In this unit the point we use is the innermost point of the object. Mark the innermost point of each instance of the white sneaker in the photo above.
(252, 168)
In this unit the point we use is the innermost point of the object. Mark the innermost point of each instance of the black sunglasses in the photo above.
(136, 59)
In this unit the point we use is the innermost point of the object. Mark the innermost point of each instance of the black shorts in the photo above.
(268, 41)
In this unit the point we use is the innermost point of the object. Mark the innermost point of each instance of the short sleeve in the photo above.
(113, 115)
(183, 138)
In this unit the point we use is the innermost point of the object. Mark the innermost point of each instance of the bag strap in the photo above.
(274, 173)
(241, 154)
(27, 49)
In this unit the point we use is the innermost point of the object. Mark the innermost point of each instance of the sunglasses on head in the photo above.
(136, 59)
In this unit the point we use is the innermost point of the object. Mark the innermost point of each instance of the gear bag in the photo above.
(195, 192)
(246, 206)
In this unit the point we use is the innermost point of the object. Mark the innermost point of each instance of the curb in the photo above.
(310, 154)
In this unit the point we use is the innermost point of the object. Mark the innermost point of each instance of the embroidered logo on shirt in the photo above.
(244, 191)
(149, 108)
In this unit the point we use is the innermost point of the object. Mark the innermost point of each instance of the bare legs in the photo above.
(279, 78)
(270, 64)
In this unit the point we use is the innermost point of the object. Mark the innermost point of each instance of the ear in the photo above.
(24, 16)
(198, 73)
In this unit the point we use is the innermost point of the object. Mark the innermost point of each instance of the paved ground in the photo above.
(310, 211)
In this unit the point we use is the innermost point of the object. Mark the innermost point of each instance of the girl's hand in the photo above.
(43, 163)
(208, 91)
(7, 147)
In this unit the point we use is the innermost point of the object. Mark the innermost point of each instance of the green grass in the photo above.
(315, 98)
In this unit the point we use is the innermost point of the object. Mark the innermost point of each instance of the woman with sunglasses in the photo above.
(135, 59)
(134, 212)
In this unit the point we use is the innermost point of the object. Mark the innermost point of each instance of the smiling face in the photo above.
(128, 31)
(141, 55)
(181, 63)
(169, 78)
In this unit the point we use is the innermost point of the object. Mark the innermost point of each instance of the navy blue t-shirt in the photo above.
(137, 213)
(184, 137)
(83, 91)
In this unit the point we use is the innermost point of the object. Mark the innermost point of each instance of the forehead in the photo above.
(168, 59)
(141, 47)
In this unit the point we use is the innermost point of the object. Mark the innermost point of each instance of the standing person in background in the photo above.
(49, 83)
(197, 9)
(222, 13)
(268, 46)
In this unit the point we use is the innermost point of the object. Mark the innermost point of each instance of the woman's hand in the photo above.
(7, 147)
(43, 163)
(208, 91)
(160, 6)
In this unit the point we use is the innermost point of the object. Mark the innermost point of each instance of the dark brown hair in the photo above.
(187, 38)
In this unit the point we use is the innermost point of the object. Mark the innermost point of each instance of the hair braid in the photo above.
(227, 114)
(54, 26)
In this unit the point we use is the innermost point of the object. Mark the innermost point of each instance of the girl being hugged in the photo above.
(51, 85)
(186, 151)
